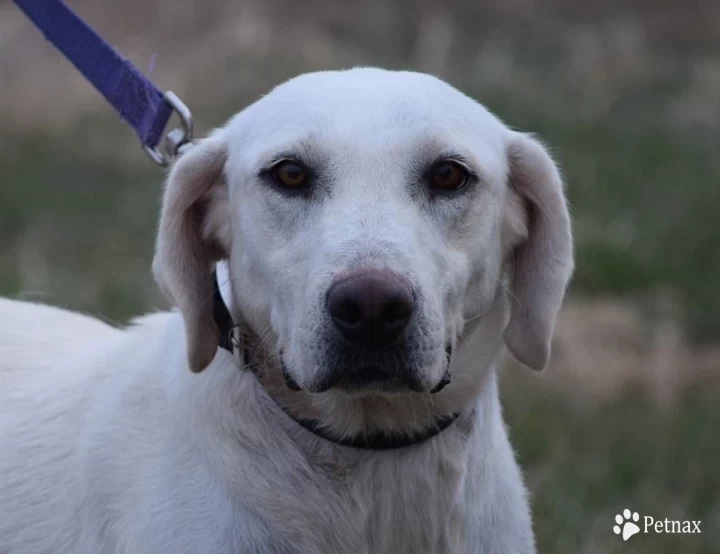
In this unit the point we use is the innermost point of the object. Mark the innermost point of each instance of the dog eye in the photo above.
(448, 176)
(290, 175)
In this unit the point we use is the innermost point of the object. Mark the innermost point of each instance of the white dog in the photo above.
(384, 235)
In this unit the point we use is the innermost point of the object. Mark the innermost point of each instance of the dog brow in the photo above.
(305, 149)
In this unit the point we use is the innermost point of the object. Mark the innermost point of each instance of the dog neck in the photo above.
(372, 421)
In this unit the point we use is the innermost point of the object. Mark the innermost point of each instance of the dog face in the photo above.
(366, 216)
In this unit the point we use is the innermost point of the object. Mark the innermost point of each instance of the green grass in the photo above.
(585, 466)
(77, 231)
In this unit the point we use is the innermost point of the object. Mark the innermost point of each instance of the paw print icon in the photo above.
(627, 524)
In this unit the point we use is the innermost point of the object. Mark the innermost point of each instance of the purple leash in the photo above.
(145, 108)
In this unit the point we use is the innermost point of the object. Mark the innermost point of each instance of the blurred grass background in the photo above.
(627, 93)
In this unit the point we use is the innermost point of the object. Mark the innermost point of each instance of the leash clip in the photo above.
(176, 140)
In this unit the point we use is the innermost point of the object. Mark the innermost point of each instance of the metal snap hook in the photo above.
(176, 140)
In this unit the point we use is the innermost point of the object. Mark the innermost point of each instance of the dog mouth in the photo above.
(365, 379)
(369, 374)
(373, 378)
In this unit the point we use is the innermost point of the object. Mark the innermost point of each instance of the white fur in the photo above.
(109, 443)
(35, 335)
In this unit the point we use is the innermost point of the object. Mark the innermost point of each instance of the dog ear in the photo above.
(542, 263)
(193, 234)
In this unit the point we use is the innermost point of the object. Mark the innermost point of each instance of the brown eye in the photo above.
(290, 175)
(448, 176)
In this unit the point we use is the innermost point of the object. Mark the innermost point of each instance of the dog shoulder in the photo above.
(80, 413)
(33, 334)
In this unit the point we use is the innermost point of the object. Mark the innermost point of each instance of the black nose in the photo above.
(371, 307)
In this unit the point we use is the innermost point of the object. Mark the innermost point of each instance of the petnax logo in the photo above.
(629, 525)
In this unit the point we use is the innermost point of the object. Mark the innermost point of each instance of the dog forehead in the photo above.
(363, 109)
(367, 95)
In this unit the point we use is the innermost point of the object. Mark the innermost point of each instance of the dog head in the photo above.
(366, 217)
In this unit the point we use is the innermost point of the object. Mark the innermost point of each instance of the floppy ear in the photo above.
(543, 262)
(193, 234)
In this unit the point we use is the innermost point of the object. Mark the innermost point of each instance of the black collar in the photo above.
(374, 441)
